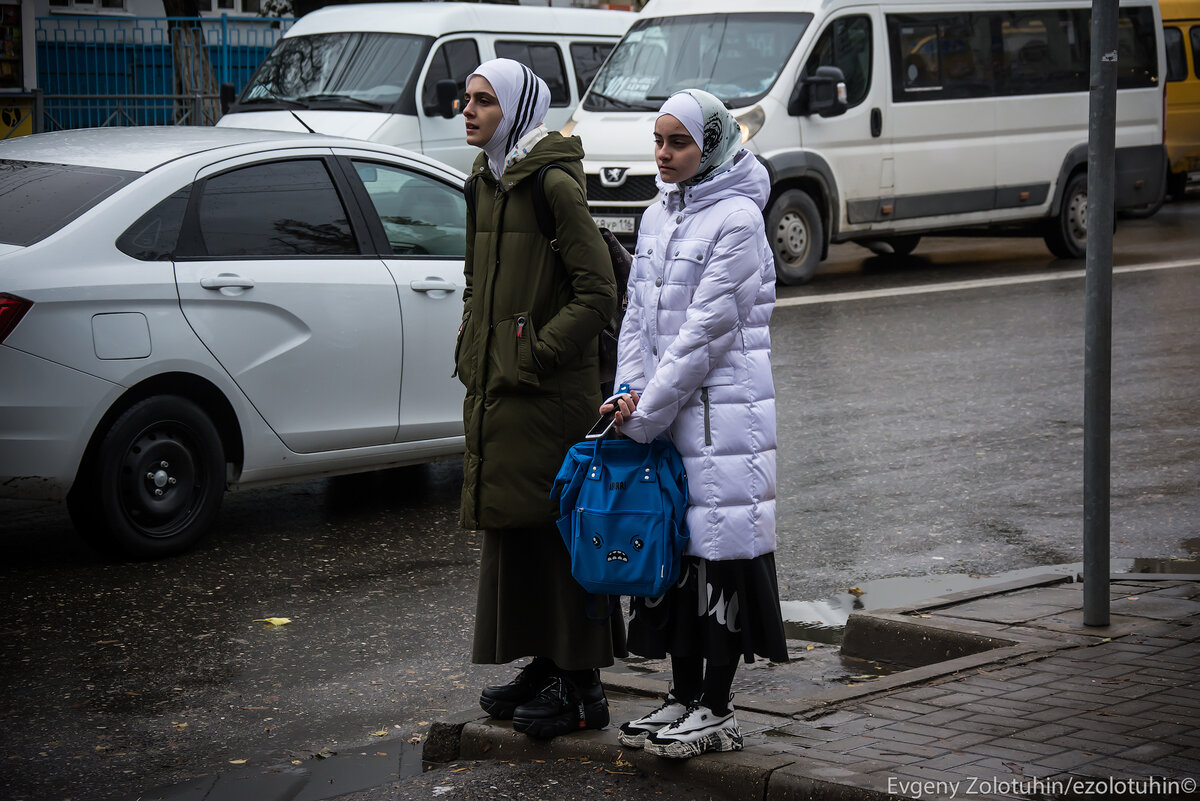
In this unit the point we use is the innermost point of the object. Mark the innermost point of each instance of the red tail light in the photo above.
(12, 309)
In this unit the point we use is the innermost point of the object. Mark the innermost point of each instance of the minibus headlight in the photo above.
(751, 122)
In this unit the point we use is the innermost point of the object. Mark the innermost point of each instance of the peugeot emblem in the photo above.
(612, 176)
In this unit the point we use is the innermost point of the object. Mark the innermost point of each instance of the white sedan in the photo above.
(185, 310)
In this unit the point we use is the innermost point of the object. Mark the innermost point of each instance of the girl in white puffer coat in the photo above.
(695, 349)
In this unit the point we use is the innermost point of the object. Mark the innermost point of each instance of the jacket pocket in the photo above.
(707, 415)
(464, 366)
(512, 355)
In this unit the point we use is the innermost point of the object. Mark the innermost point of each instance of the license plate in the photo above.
(618, 225)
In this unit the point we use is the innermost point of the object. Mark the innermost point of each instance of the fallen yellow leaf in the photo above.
(274, 621)
(854, 591)
(237, 761)
(380, 733)
(809, 648)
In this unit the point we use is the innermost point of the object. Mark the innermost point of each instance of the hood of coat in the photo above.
(565, 150)
(746, 178)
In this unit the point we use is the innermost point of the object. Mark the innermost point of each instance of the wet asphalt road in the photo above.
(928, 433)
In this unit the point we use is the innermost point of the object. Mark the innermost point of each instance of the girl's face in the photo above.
(675, 151)
(481, 111)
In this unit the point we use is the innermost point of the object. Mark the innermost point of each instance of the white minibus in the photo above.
(883, 120)
(393, 72)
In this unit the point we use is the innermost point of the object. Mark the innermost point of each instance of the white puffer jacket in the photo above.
(696, 345)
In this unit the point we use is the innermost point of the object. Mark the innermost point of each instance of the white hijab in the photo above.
(524, 99)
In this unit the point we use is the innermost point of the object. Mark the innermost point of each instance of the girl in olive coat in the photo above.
(527, 355)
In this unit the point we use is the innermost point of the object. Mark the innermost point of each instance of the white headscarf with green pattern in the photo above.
(711, 126)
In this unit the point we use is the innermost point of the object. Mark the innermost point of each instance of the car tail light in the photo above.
(12, 309)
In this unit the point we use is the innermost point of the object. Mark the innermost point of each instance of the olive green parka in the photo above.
(526, 348)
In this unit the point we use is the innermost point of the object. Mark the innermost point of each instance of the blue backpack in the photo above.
(621, 505)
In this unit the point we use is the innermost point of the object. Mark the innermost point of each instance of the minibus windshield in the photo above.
(737, 57)
(355, 71)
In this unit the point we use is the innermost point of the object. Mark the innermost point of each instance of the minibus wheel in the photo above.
(797, 236)
(1066, 234)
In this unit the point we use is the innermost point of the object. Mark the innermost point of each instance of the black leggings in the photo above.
(692, 682)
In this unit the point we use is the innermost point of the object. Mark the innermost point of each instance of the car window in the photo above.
(38, 199)
(546, 61)
(154, 236)
(421, 216)
(454, 60)
(281, 208)
(846, 44)
(587, 58)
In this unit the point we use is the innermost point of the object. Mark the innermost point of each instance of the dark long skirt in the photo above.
(529, 605)
(717, 610)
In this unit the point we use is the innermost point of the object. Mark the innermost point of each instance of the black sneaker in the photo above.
(500, 700)
(563, 706)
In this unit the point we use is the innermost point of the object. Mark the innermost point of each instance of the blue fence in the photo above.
(96, 71)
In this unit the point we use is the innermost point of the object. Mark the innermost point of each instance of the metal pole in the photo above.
(1097, 362)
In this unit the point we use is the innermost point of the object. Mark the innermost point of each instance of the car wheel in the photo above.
(1066, 234)
(797, 236)
(155, 482)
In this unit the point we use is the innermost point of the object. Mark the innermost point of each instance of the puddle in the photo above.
(825, 621)
(1185, 564)
(410, 761)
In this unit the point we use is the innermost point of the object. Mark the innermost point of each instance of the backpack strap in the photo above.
(469, 190)
(541, 205)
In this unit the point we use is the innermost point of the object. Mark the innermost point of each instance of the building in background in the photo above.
(145, 62)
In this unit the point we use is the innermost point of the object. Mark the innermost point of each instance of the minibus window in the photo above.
(1194, 35)
(941, 56)
(352, 71)
(454, 60)
(546, 62)
(1044, 51)
(1176, 55)
(846, 44)
(737, 57)
(587, 58)
(921, 68)
(1137, 47)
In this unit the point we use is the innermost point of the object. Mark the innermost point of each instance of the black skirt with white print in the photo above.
(718, 610)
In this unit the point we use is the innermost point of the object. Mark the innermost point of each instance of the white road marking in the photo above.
(980, 283)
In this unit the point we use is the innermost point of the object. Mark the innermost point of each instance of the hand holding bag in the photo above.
(621, 506)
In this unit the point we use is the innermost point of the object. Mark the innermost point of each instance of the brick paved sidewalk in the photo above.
(1028, 704)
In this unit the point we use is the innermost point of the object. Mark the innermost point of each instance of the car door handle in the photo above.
(432, 285)
(227, 281)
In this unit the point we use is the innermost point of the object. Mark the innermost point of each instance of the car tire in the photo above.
(155, 481)
(797, 236)
(1066, 233)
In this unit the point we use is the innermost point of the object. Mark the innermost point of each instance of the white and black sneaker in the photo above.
(698, 731)
(634, 733)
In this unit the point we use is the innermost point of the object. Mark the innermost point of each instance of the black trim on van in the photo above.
(1140, 173)
(908, 207)
(808, 165)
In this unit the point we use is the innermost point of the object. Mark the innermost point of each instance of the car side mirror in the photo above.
(447, 98)
(823, 93)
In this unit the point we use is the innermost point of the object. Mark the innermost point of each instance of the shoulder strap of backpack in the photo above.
(541, 206)
(469, 189)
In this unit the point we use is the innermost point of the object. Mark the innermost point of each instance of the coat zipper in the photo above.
(707, 417)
